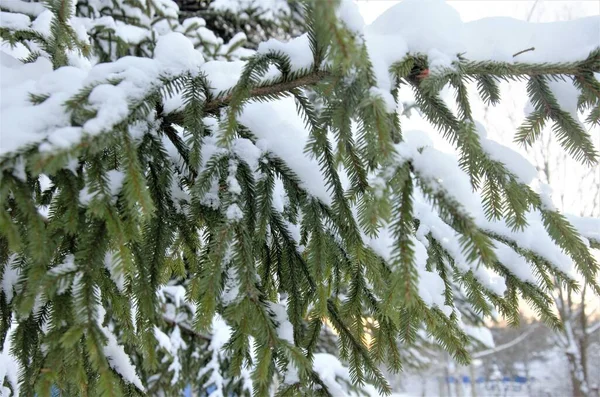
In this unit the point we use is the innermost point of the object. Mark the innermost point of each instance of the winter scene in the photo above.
(223, 198)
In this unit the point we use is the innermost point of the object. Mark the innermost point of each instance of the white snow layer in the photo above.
(423, 26)
(116, 355)
(430, 27)
(280, 130)
(48, 123)
(9, 366)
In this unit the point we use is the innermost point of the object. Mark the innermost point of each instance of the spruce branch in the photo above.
(271, 89)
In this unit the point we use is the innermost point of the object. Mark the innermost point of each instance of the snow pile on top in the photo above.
(524, 171)
(435, 29)
(33, 9)
(295, 49)
(430, 27)
(349, 14)
(175, 54)
(10, 277)
(223, 76)
(48, 123)
(427, 25)
(421, 26)
(221, 333)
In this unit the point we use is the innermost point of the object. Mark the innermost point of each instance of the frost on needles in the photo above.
(177, 209)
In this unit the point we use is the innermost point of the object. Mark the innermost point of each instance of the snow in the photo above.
(587, 227)
(297, 49)
(383, 55)
(566, 95)
(513, 161)
(440, 171)
(388, 99)
(425, 25)
(23, 7)
(23, 124)
(280, 130)
(10, 277)
(247, 151)
(42, 23)
(234, 213)
(449, 239)
(115, 353)
(176, 53)
(534, 237)
(515, 263)
(14, 21)
(435, 29)
(163, 339)
(131, 34)
(329, 369)
(349, 14)
(223, 75)
(111, 263)
(268, 9)
(336, 376)
(232, 286)
(176, 292)
(114, 180)
(177, 344)
(9, 366)
(285, 330)
(221, 333)
(67, 266)
(431, 286)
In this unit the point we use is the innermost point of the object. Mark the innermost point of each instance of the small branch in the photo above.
(309, 79)
(593, 328)
(505, 346)
(522, 51)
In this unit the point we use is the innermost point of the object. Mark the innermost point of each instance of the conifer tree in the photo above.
(166, 218)
(259, 20)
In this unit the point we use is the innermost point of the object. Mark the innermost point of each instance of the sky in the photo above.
(520, 9)
(576, 188)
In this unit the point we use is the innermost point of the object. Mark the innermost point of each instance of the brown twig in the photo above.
(522, 51)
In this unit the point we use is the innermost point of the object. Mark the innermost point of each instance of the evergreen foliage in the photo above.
(258, 20)
(169, 244)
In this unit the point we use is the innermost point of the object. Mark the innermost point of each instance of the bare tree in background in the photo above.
(577, 191)
(579, 311)
(580, 320)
